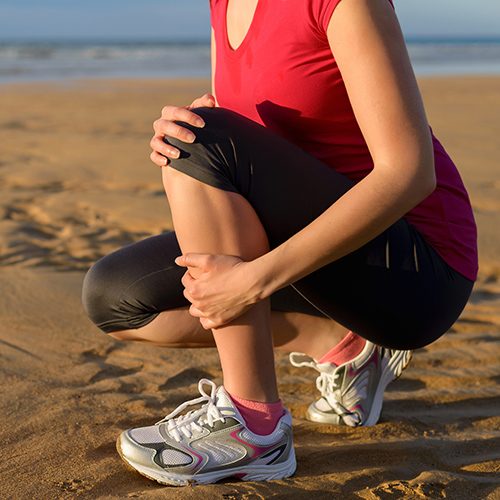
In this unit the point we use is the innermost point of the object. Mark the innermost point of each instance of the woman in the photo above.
(310, 200)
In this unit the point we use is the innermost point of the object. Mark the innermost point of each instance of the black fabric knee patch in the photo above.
(215, 157)
(106, 302)
(128, 288)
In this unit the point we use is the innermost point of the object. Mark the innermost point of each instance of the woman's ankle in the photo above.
(346, 350)
(324, 341)
(260, 417)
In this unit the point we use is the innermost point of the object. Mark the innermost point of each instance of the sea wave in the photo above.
(58, 60)
(65, 60)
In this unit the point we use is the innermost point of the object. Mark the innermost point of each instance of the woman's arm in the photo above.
(370, 51)
(369, 48)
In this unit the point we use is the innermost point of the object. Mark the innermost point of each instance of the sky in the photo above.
(164, 19)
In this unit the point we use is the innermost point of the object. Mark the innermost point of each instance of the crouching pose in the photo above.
(313, 209)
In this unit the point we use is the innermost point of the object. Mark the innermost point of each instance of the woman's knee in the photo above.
(216, 130)
(212, 157)
(105, 300)
(217, 118)
(131, 286)
(100, 295)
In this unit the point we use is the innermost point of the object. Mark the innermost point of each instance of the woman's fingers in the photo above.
(158, 159)
(159, 143)
(207, 100)
(208, 324)
(168, 128)
(187, 280)
(203, 261)
(193, 311)
(172, 113)
(160, 146)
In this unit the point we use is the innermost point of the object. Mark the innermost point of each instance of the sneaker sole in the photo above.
(244, 473)
(391, 372)
(321, 417)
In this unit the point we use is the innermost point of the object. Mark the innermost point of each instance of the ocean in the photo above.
(69, 60)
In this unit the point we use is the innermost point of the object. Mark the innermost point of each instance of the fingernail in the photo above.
(200, 123)
(190, 137)
(174, 154)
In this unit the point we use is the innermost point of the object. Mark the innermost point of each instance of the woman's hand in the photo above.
(165, 127)
(224, 289)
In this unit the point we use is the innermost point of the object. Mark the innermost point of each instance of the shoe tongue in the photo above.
(226, 405)
(300, 359)
(326, 367)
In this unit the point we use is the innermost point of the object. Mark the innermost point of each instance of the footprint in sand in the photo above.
(108, 370)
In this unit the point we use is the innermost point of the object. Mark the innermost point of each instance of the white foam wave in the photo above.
(60, 60)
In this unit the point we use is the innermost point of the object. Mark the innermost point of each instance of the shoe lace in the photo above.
(185, 425)
(328, 386)
(326, 383)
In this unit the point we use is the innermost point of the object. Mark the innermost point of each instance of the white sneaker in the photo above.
(352, 394)
(208, 444)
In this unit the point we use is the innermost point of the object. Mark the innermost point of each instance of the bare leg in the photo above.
(210, 220)
(291, 332)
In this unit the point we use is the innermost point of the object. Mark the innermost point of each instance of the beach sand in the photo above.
(76, 183)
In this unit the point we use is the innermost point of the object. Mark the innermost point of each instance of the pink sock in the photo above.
(346, 350)
(261, 418)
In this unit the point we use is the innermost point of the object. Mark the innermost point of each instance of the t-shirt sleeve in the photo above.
(322, 12)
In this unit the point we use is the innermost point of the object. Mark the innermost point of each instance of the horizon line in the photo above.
(204, 40)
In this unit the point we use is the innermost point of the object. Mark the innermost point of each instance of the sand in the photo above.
(76, 183)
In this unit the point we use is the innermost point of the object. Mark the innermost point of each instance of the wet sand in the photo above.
(76, 183)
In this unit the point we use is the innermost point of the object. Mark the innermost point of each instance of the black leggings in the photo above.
(395, 291)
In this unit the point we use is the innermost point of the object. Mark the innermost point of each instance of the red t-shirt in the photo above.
(284, 76)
